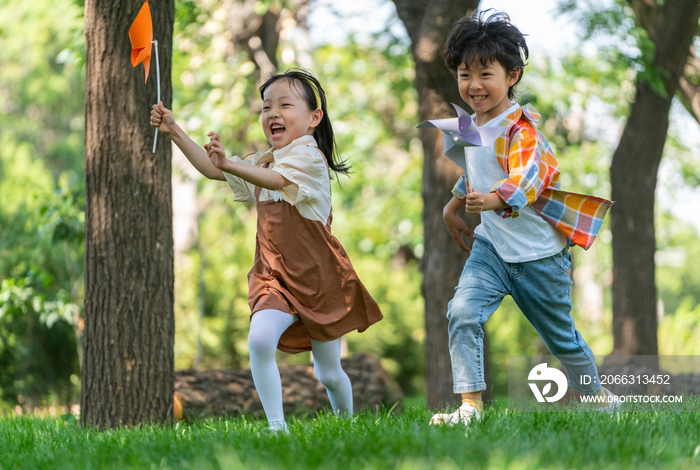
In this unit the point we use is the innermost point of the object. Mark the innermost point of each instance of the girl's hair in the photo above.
(315, 98)
(493, 38)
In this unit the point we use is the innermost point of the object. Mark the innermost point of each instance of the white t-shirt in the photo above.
(525, 238)
(301, 163)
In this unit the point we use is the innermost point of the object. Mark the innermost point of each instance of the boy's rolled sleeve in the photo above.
(460, 189)
(528, 175)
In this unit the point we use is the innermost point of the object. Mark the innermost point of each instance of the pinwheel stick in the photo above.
(155, 139)
(470, 188)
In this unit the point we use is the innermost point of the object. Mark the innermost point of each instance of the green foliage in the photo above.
(37, 348)
(621, 39)
(42, 80)
(186, 13)
(502, 440)
(41, 231)
(677, 276)
(38, 301)
(63, 218)
(213, 83)
(679, 333)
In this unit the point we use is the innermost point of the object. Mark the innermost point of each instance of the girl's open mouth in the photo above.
(277, 130)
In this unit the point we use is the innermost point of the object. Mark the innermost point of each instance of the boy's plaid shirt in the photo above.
(533, 179)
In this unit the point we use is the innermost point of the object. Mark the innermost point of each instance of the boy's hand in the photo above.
(475, 202)
(478, 202)
(455, 225)
(215, 151)
(162, 119)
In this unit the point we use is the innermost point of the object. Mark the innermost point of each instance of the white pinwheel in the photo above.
(462, 132)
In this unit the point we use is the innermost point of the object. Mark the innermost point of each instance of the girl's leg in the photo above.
(332, 376)
(266, 327)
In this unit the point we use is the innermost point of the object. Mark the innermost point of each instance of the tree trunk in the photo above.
(633, 175)
(127, 375)
(428, 24)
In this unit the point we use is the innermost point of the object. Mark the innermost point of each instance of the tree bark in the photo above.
(127, 375)
(633, 176)
(428, 23)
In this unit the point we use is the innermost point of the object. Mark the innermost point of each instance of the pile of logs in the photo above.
(232, 393)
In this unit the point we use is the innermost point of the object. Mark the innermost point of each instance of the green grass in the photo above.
(502, 439)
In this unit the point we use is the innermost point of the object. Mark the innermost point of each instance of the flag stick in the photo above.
(155, 139)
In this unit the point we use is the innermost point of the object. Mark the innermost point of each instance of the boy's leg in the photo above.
(266, 327)
(483, 284)
(542, 290)
(332, 376)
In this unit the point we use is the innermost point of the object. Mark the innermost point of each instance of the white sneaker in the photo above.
(464, 414)
(613, 403)
(277, 427)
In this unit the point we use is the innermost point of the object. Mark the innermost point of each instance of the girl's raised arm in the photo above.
(163, 119)
(263, 177)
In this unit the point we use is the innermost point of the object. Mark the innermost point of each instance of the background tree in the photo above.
(127, 374)
(672, 25)
(427, 24)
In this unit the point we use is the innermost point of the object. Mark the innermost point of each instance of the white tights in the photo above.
(266, 328)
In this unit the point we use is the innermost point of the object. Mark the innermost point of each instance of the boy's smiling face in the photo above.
(485, 88)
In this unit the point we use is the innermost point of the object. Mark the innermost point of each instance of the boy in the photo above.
(527, 223)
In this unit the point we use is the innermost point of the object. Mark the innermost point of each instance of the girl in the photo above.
(302, 290)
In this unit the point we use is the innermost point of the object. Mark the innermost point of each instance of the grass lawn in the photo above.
(502, 440)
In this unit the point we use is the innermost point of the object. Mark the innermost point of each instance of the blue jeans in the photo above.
(540, 288)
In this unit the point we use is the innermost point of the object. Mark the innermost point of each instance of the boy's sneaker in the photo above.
(464, 414)
(613, 403)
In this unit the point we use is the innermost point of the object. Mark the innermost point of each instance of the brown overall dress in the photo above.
(301, 268)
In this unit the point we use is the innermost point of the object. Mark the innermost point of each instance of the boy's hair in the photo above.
(493, 38)
(315, 98)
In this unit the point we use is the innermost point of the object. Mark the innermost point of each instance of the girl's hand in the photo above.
(455, 225)
(475, 202)
(162, 119)
(215, 151)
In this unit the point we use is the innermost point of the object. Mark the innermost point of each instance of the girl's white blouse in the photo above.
(303, 165)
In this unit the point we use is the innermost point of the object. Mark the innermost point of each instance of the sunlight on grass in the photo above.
(502, 440)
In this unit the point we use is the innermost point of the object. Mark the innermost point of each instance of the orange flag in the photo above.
(141, 35)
